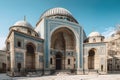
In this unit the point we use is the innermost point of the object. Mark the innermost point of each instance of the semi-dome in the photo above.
(23, 23)
(59, 12)
(94, 34)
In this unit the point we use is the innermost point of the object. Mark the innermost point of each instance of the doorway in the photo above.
(30, 56)
(19, 66)
(58, 61)
(91, 59)
(3, 67)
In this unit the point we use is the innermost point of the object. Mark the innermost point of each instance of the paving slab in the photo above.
(65, 77)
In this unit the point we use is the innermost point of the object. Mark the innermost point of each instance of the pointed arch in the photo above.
(30, 56)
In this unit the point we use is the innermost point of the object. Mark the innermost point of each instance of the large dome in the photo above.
(55, 11)
(94, 34)
(60, 13)
(23, 23)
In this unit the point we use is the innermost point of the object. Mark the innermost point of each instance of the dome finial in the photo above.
(24, 18)
(23, 23)
(94, 34)
(93, 29)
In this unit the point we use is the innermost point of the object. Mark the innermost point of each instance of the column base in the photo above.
(79, 72)
(86, 72)
(47, 72)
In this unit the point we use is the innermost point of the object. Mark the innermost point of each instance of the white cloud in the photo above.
(108, 32)
(2, 43)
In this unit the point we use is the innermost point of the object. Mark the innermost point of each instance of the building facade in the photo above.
(2, 61)
(57, 43)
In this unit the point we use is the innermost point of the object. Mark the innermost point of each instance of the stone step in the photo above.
(62, 72)
(91, 72)
(34, 74)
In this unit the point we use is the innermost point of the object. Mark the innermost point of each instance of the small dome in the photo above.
(23, 23)
(94, 34)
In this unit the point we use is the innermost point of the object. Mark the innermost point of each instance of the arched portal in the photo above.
(58, 61)
(30, 56)
(63, 41)
(91, 56)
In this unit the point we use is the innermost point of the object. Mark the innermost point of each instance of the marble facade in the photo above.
(59, 43)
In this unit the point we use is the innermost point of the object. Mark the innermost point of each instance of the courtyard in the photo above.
(65, 77)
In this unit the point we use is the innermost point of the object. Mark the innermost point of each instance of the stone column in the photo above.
(80, 53)
(79, 63)
(24, 60)
(12, 54)
(36, 60)
(12, 64)
(86, 64)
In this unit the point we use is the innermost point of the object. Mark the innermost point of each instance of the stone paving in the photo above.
(65, 77)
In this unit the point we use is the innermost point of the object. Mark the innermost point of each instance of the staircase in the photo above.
(62, 72)
(34, 74)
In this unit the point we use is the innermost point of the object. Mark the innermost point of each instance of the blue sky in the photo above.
(93, 15)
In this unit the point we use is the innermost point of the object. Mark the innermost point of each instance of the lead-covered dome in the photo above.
(23, 24)
(94, 34)
(55, 11)
(59, 13)
(24, 27)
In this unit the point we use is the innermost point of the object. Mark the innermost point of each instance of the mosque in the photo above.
(58, 43)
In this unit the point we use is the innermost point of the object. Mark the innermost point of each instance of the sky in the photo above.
(92, 15)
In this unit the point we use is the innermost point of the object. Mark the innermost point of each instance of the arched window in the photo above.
(51, 61)
(117, 67)
(101, 67)
(29, 32)
(94, 40)
(19, 44)
(30, 49)
(68, 61)
(68, 54)
(101, 39)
